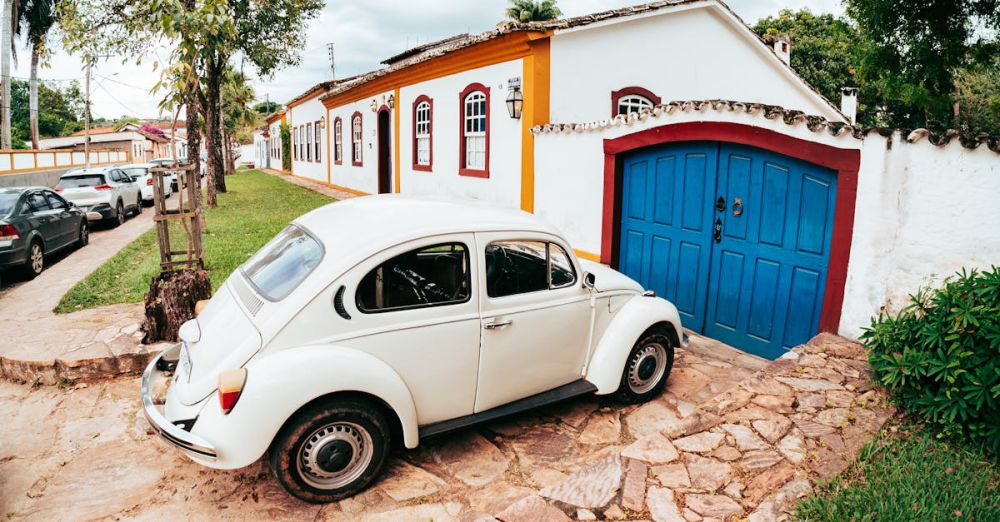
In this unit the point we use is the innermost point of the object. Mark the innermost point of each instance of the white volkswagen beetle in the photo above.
(383, 320)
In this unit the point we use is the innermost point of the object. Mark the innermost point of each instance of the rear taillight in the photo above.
(103, 186)
(57, 189)
(199, 306)
(149, 181)
(8, 233)
(230, 387)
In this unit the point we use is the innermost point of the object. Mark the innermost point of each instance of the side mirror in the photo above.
(589, 280)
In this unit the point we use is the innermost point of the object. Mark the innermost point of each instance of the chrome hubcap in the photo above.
(646, 367)
(84, 234)
(121, 214)
(335, 455)
(36, 258)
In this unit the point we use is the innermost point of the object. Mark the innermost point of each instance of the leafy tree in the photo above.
(125, 120)
(911, 52)
(59, 112)
(36, 20)
(238, 118)
(268, 107)
(821, 49)
(977, 96)
(533, 10)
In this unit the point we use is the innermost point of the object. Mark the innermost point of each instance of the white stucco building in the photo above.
(670, 142)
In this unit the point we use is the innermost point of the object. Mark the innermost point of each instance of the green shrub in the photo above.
(940, 356)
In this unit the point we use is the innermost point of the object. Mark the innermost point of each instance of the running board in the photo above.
(566, 391)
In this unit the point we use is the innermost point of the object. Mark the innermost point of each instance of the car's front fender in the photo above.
(279, 384)
(640, 313)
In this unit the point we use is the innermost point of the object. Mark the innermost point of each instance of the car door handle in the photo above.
(495, 325)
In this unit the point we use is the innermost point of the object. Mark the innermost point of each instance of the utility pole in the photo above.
(333, 67)
(5, 51)
(86, 114)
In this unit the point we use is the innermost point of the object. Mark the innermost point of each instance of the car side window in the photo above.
(56, 202)
(37, 203)
(428, 276)
(520, 267)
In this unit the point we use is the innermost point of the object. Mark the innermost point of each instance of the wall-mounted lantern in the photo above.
(374, 105)
(322, 122)
(515, 103)
(515, 98)
(392, 101)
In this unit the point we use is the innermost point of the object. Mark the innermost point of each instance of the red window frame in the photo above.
(625, 91)
(462, 170)
(430, 131)
(361, 140)
(317, 139)
(338, 141)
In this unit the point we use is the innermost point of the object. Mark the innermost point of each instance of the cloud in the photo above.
(364, 33)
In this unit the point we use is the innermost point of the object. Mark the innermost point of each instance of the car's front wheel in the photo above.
(647, 368)
(84, 238)
(328, 452)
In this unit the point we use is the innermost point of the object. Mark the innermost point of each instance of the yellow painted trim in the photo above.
(328, 158)
(535, 79)
(395, 137)
(587, 255)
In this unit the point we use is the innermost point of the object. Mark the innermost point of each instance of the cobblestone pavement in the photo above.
(35, 343)
(313, 185)
(86, 452)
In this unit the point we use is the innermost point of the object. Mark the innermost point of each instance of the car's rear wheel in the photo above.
(84, 238)
(647, 368)
(330, 451)
(119, 218)
(138, 206)
(35, 263)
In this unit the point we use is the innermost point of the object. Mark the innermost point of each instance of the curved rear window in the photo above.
(283, 263)
(89, 180)
(7, 202)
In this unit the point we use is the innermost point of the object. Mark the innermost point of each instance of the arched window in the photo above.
(356, 140)
(422, 133)
(632, 99)
(474, 153)
(338, 141)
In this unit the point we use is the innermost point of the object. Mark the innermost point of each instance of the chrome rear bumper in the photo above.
(170, 432)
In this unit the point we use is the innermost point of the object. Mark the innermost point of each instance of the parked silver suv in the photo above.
(104, 193)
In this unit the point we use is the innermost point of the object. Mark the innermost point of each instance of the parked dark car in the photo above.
(36, 222)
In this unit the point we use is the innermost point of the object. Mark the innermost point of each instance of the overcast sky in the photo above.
(364, 32)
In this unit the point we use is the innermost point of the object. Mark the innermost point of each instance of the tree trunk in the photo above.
(194, 111)
(230, 154)
(213, 127)
(5, 57)
(171, 300)
(33, 96)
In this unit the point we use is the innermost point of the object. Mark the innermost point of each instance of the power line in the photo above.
(110, 79)
(119, 102)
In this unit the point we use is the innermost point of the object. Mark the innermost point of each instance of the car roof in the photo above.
(20, 190)
(388, 219)
(86, 171)
(136, 166)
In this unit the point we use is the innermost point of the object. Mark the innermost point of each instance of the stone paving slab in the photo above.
(63, 444)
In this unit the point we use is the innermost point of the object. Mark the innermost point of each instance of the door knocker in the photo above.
(737, 207)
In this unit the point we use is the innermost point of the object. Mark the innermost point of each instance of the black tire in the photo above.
(138, 206)
(647, 368)
(84, 237)
(329, 452)
(119, 218)
(35, 262)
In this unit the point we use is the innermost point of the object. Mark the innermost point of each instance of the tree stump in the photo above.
(170, 302)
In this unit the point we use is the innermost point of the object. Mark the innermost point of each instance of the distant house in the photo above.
(141, 144)
(669, 141)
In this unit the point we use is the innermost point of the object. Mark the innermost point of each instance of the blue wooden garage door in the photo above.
(737, 238)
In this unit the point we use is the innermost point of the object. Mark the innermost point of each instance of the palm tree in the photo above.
(37, 18)
(533, 10)
(238, 118)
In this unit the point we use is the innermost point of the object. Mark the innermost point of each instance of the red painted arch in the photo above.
(845, 161)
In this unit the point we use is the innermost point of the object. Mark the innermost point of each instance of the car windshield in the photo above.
(91, 180)
(283, 263)
(136, 172)
(7, 202)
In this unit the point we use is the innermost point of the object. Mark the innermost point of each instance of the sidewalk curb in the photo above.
(59, 371)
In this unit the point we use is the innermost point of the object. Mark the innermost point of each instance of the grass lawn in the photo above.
(256, 207)
(910, 475)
